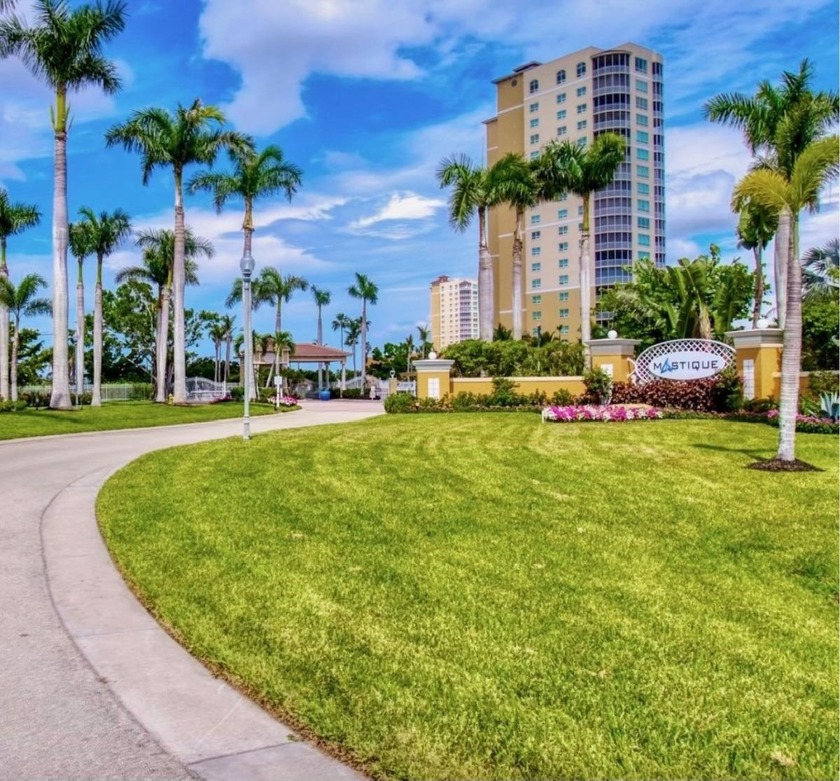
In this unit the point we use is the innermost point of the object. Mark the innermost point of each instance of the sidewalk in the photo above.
(91, 687)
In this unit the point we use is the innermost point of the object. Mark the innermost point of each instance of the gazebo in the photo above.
(310, 352)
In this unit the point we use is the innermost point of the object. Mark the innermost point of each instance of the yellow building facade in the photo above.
(575, 98)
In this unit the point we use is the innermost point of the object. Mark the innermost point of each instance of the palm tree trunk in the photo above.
(96, 396)
(791, 347)
(516, 284)
(14, 368)
(758, 296)
(781, 265)
(320, 337)
(179, 351)
(227, 359)
(486, 314)
(80, 335)
(364, 344)
(162, 345)
(4, 329)
(60, 395)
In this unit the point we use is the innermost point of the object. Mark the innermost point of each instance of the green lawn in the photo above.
(116, 415)
(485, 596)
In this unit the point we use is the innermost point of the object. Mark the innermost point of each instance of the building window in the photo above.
(536, 234)
(644, 206)
(581, 69)
(537, 315)
(641, 103)
(581, 125)
(535, 219)
(580, 210)
(642, 120)
(564, 313)
(561, 114)
(563, 230)
(534, 107)
(561, 97)
(536, 299)
(564, 329)
(563, 263)
(534, 155)
(581, 91)
(536, 251)
(536, 267)
(563, 279)
(533, 86)
(535, 138)
(643, 223)
(562, 214)
(642, 154)
(642, 137)
(561, 131)
(563, 246)
(581, 108)
(641, 65)
(642, 188)
(644, 240)
(641, 86)
(561, 77)
(536, 284)
(535, 122)
(644, 256)
(581, 142)
(564, 296)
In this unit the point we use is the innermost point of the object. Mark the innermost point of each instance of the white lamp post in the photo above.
(246, 266)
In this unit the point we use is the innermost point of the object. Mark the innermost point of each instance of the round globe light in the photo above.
(762, 322)
(612, 334)
(432, 355)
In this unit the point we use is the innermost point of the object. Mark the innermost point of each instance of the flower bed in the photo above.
(611, 412)
(286, 401)
(807, 424)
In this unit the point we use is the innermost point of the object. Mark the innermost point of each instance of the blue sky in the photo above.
(367, 96)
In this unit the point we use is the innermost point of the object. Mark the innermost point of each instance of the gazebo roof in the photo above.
(306, 352)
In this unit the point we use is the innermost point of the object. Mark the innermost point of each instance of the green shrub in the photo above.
(562, 398)
(12, 406)
(37, 398)
(142, 391)
(823, 382)
(715, 394)
(759, 405)
(237, 393)
(398, 403)
(598, 385)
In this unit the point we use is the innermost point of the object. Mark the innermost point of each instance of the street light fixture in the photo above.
(246, 266)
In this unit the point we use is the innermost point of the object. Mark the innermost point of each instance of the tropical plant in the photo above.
(105, 233)
(779, 123)
(756, 227)
(564, 167)
(351, 339)
(284, 347)
(227, 324)
(322, 299)
(190, 135)
(341, 323)
(368, 292)
(21, 301)
(217, 333)
(14, 218)
(80, 248)
(424, 334)
(158, 269)
(779, 192)
(821, 271)
(64, 49)
(272, 288)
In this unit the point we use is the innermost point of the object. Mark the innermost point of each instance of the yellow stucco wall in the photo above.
(524, 385)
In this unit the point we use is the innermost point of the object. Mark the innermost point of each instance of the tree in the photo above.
(341, 323)
(821, 271)
(105, 233)
(756, 227)
(158, 268)
(274, 289)
(322, 299)
(351, 339)
(80, 248)
(773, 189)
(217, 333)
(227, 323)
(424, 333)
(565, 167)
(284, 345)
(22, 301)
(473, 193)
(779, 123)
(368, 292)
(190, 135)
(131, 321)
(64, 50)
(14, 218)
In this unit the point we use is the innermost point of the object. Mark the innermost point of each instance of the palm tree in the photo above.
(409, 349)
(566, 167)
(176, 140)
(516, 186)
(341, 323)
(274, 289)
(368, 292)
(755, 229)
(64, 50)
(105, 233)
(284, 347)
(14, 218)
(774, 190)
(254, 176)
(227, 323)
(351, 339)
(779, 123)
(80, 248)
(473, 194)
(322, 299)
(158, 269)
(424, 333)
(821, 271)
(217, 333)
(21, 300)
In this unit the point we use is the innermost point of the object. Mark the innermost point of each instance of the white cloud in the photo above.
(401, 206)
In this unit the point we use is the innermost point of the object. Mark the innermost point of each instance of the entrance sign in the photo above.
(684, 359)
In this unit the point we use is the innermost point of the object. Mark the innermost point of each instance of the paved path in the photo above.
(91, 688)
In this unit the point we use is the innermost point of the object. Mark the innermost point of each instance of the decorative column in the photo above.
(614, 356)
(758, 355)
(433, 377)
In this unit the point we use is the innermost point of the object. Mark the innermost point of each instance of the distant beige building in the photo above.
(578, 97)
(454, 311)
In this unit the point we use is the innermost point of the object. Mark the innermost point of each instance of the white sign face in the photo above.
(278, 380)
(687, 365)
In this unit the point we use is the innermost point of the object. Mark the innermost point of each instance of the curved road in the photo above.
(90, 686)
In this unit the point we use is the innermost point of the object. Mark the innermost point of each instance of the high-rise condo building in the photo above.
(577, 97)
(454, 311)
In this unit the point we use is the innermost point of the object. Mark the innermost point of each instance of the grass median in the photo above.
(489, 597)
(117, 415)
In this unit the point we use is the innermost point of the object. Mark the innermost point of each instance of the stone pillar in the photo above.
(433, 378)
(614, 356)
(392, 385)
(758, 354)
